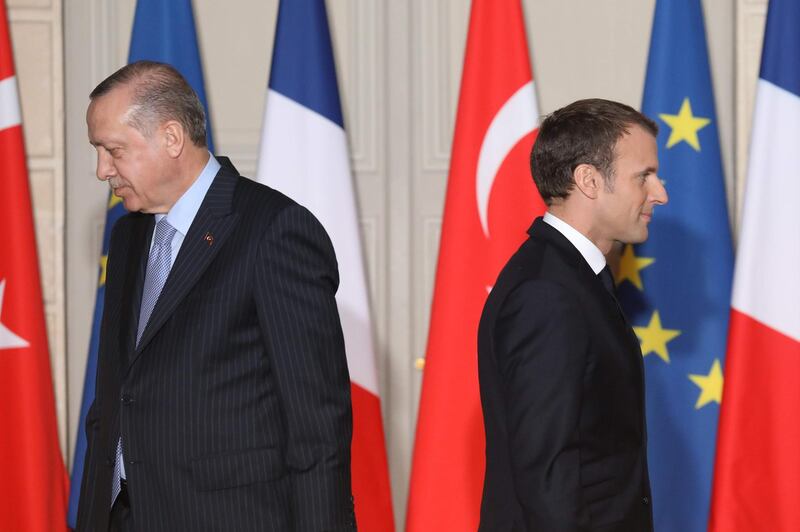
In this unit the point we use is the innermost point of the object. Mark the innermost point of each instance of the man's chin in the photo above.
(130, 204)
(638, 238)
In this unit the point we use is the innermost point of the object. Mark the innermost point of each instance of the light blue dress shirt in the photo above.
(182, 214)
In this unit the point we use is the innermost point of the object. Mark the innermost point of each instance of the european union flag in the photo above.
(165, 32)
(676, 286)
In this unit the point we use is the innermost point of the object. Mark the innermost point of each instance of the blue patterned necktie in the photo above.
(158, 266)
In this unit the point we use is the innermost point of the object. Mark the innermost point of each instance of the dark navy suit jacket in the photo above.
(563, 398)
(235, 406)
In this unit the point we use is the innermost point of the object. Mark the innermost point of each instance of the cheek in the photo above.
(133, 172)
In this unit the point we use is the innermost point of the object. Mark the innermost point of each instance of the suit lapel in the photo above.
(138, 245)
(212, 226)
(543, 230)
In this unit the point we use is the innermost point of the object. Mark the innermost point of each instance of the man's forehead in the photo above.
(117, 98)
(634, 133)
(637, 145)
(107, 118)
(115, 103)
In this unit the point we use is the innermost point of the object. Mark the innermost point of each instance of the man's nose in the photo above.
(658, 193)
(105, 166)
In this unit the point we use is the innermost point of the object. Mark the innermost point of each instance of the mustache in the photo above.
(115, 183)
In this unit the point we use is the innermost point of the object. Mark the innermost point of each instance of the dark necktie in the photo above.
(608, 280)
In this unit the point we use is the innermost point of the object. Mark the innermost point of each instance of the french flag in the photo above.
(304, 155)
(757, 474)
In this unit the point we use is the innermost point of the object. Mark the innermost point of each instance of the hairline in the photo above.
(147, 119)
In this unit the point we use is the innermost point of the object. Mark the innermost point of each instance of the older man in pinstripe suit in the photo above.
(222, 398)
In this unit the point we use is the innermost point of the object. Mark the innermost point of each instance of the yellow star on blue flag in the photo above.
(710, 385)
(654, 337)
(679, 307)
(684, 126)
(629, 267)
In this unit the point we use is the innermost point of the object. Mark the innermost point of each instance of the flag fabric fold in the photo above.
(164, 32)
(304, 154)
(757, 464)
(490, 203)
(675, 287)
(33, 479)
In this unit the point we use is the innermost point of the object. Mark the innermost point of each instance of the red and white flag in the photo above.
(757, 472)
(33, 481)
(491, 201)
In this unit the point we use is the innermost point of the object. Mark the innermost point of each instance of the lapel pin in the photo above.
(209, 238)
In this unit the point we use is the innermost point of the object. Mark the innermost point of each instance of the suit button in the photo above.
(645, 501)
(127, 399)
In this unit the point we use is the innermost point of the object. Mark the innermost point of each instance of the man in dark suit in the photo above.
(222, 398)
(560, 369)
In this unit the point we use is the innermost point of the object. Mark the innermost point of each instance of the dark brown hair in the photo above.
(583, 132)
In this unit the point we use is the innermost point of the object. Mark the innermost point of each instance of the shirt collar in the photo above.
(586, 247)
(182, 214)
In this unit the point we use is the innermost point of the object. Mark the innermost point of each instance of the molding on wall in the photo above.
(751, 16)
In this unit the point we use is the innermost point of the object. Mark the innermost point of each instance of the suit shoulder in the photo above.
(251, 194)
(533, 260)
(267, 207)
(535, 274)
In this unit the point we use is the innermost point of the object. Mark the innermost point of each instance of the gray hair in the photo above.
(158, 93)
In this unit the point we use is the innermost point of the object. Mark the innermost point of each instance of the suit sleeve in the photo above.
(541, 346)
(296, 284)
(94, 423)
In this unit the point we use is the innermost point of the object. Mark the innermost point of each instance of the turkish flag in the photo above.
(33, 480)
(491, 201)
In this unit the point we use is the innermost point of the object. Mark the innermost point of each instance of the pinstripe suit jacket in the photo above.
(234, 408)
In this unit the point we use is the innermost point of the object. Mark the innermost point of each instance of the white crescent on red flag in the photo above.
(491, 201)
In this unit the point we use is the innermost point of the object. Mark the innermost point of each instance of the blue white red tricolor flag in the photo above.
(304, 155)
(757, 473)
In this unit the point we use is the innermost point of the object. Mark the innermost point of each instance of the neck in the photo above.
(579, 217)
(188, 169)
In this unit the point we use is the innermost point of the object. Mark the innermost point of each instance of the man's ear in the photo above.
(587, 180)
(173, 137)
